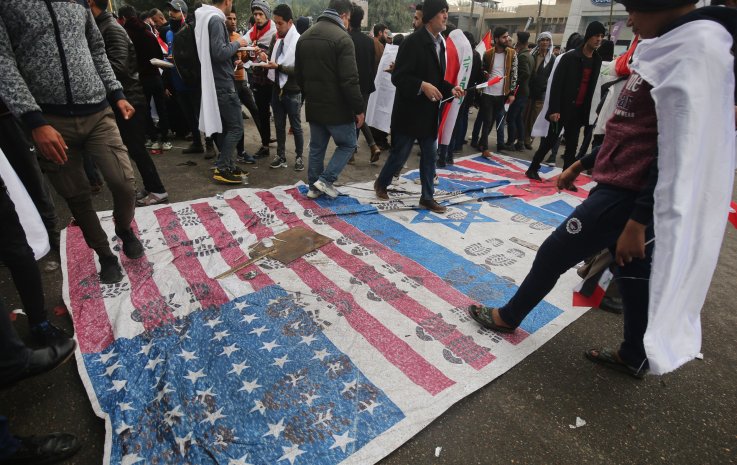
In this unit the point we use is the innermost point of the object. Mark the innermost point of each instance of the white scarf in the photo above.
(209, 112)
(287, 55)
(696, 147)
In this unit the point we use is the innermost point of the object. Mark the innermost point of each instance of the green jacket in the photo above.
(524, 71)
(325, 68)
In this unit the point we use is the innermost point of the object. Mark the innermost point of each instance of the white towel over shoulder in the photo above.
(209, 113)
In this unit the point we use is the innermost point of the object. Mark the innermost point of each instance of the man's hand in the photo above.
(458, 92)
(167, 93)
(554, 117)
(125, 108)
(242, 42)
(50, 144)
(390, 69)
(359, 120)
(631, 243)
(566, 178)
(270, 65)
(431, 92)
(510, 100)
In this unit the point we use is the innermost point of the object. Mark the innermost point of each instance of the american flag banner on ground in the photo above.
(337, 357)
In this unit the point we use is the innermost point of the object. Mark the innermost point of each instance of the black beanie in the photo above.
(654, 5)
(594, 29)
(430, 8)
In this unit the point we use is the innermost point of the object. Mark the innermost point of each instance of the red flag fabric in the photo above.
(594, 300)
(733, 214)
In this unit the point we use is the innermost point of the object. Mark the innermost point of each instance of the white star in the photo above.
(269, 346)
(118, 384)
(182, 442)
(213, 323)
(187, 356)
(123, 406)
(349, 386)
(122, 428)
(320, 354)
(195, 375)
(240, 306)
(111, 369)
(151, 365)
(201, 395)
(258, 406)
(214, 416)
(171, 414)
(293, 378)
(281, 361)
(370, 406)
(296, 325)
(250, 386)
(130, 459)
(323, 418)
(240, 461)
(219, 336)
(309, 339)
(310, 398)
(105, 357)
(342, 441)
(291, 453)
(276, 429)
(259, 331)
(146, 348)
(248, 319)
(238, 368)
(229, 350)
(162, 392)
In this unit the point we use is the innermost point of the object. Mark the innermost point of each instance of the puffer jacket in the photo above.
(122, 56)
(52, 59)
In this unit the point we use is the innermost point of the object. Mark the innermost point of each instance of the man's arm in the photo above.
(556, 86)
(220, 50)
(348, 75)
(513, 74)
(525, 69)
(116, 48)
(100, 60)
(407, 84)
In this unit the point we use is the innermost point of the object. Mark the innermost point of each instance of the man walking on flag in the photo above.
(419, 78)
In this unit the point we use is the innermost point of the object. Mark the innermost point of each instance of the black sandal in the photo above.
(483, 316)
(610, 359)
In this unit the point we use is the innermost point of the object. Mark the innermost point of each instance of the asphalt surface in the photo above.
(524, 416)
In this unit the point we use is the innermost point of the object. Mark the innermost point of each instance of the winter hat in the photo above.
(430, 8)
(594, 29)
(262, 5)
(654, 5)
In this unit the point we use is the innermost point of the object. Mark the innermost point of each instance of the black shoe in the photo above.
(508, 147)
(278, 162)
(43, 360)
(132, 247)
(263, 152)
(500, 148)
(46, 334)
(475, 145)
(551, 160)
(299, 164)
(528, 146)
(533, 174)
(612, 304)
(450, 160)
(432, 205)
(110, 272)
(226, 177)
(194, 148)
(245, 158)
(240, 173)
(50, 448)
(519, 147)
(441, 163)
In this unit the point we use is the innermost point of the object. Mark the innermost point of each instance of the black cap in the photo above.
(654, 5)
(430, 8)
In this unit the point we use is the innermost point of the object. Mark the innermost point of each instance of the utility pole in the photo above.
(538, 25)
(470, 16)
(611, 14)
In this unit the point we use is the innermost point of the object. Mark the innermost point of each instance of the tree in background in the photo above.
(396, 14)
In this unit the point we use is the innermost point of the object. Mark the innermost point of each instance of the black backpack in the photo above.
(186, 58)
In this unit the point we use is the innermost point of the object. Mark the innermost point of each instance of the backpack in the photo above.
(185, 55)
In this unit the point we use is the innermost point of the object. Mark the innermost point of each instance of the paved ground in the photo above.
(686, 417)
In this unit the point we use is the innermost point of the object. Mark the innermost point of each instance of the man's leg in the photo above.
(546, 143)
(245, 94)
(428, 148)
(160, 102)
(262, 96)
(132, 134)
(572, 131)
(149, 85)
(319, 138)
(365, 129)
(280, 124)
(585, 232)
(344, 136)
(293, 105)
(232, 119)
(14, 355)
(487, 115)
(189, 102)
(401, 148)
(499, 119)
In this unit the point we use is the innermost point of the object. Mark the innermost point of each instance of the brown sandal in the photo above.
(483, 316)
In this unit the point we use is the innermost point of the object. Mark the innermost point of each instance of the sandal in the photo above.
(483, 316)
(610, 359)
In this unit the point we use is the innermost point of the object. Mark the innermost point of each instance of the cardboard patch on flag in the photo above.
(341, 355)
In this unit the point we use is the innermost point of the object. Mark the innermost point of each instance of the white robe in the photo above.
(693, 94)
(209, 112)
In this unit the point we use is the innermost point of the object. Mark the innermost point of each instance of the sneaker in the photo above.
(110, 272)
(326, 188)
(263, 152)
(155, 146)
(166, 145)
(313, 193)
(132, 247)
(299, 164)
(47, 334)
(239, 172)
(193, 148)
(278, 162)
(226, 177)
(152, 199)
(149, 143)
(246, 158)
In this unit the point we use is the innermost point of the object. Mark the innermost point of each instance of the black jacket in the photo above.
(365, 61)
(146, 46)
(122, 57)
(413, 113)
(539, 78)
(566, 82)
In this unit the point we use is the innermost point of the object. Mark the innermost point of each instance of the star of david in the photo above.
(458, 218)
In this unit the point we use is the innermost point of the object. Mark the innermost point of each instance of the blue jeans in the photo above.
(287, 105)
(492, 106)
(344, 136)
(229, 106)
(516, 121)
(401, 147)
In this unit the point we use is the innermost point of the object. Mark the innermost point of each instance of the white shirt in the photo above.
(497, 70)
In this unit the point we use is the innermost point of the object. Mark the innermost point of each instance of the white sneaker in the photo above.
(156, 146)
(313, 194)
(326, 188)
(166, 146)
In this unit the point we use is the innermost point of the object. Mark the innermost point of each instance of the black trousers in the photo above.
(153, 87)
(18, 257)
(189, 102)
(132, 132)
(262, 96)
(245, 95)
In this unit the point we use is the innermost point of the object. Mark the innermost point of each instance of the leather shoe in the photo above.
(193, 148)
(43, 360)
(532, 174)
(432, 205)
(486, 154)
(380, 191)
(132, 247)
(375, 153)
(49, 448)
